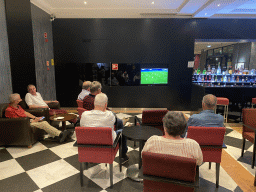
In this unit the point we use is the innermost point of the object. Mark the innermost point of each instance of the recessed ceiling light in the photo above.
(218, 5)
(205, 13)
(85, 2)
(153, 3)
(208, 45)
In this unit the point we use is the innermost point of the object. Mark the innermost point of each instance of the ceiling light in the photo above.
(153, 3)
(85, 2)
(218, 5)
(208, 45)
(205, 13)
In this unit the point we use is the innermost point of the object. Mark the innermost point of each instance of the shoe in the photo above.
(70, 135)
(124, 159)
(63, 135)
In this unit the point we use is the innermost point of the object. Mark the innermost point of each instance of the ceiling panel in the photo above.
(158, 9)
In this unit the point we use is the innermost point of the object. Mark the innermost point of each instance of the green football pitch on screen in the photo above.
(151, 76)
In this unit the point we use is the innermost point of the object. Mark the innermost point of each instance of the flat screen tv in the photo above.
(152, 76)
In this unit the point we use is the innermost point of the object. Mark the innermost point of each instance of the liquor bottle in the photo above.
(233, 78)
(205, 78)
(209, 78)
(204, 71)
(225, 78)
(222, 78)
(237, 79)
(199, 78)
(216, 79)
(228, 79)
(202, 79)
(212, 78)
(219, 70)
(242, 78)
(198, 71)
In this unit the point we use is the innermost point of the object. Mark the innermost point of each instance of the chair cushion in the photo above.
(169, 166)
(249, 136)
(3, 107)
(23, 104)
(94, 135)
(222, 101)
(207, 135)
(254, 100)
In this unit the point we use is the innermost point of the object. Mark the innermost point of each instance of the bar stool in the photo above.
(253, 101)
(225, 102)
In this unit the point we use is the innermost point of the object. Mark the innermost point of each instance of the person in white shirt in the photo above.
(172, 143)
(101, 117)
(85, 90)
(34, 99)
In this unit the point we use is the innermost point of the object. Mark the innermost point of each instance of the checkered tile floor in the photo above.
(50, 166)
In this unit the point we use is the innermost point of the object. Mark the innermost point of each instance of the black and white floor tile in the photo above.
(49, 166)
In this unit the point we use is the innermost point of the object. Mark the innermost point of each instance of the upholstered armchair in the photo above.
(17, 131)
(163, 172)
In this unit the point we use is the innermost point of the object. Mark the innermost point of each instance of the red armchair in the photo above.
(95, 145)
(249, 130)
(210, 140)
(79, 103)
(80, 110)
(153, 118)
(162, 172)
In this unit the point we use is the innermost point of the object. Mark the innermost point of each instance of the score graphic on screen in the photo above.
(154, 76)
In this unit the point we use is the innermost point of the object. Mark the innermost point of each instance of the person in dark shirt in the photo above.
(88, 101)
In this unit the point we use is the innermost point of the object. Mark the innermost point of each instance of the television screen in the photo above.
(154, 76)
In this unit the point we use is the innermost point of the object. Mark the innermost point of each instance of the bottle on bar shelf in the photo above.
(216, 79)
(225, 78)
(222, 78)
(237, 79)
(219, 70)
(198, 71)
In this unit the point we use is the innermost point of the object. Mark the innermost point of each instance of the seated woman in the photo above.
(174, 125)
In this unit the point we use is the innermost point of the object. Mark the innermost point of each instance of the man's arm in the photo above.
(35, 119)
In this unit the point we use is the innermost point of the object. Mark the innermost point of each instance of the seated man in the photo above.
(172, 143)
(34, 99)
(100, 117)
(85, 90)
(88, 102)
(15, 111)
(207, 117)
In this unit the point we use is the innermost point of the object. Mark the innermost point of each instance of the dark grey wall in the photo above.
(43, 52)
(241, 54)
(5, 71)
(253, 56)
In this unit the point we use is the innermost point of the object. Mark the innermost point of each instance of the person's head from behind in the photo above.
(174, 123)
(31, 89)
(95, 87)
(101, 101)
(14, 98)
(209, 102)
(86, 85)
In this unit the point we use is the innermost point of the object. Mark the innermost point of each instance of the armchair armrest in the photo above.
(15, 131)
(118, 137)
(39, 112)
(195, 184)
(54, 105)
(248, 126)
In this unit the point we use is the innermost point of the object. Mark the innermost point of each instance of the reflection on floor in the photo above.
(50, 166)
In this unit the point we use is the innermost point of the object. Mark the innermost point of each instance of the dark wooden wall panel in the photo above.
(5, 70)
(43, 52)
(21, 47)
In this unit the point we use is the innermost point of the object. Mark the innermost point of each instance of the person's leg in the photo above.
(50, 130)
(119, 128)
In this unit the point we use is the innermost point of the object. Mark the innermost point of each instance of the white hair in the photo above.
(100, 99)
(13, 97)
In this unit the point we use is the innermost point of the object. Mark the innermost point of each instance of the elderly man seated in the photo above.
(172, 143)
(101, 117)
(206, 118)
(85, 90)
(34, 99)
(15, 111)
